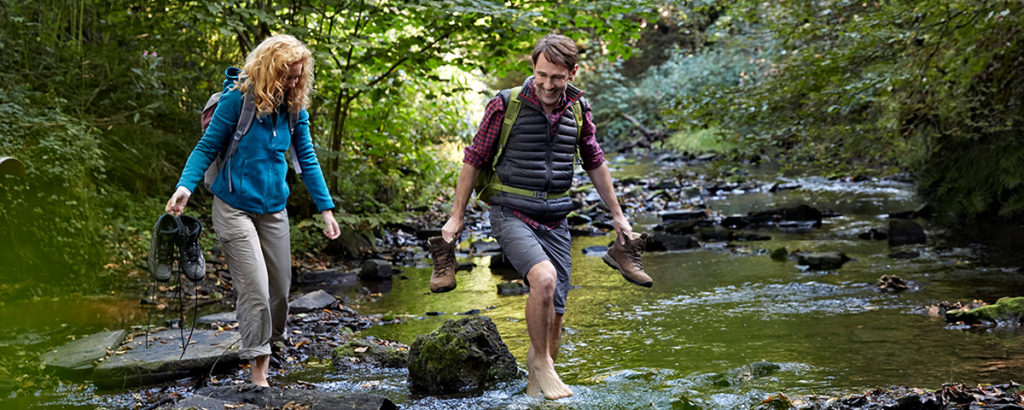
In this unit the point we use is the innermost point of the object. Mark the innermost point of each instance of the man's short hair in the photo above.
(558, 49)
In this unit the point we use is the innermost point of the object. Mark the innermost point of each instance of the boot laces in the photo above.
(636, 249)
(442, 259)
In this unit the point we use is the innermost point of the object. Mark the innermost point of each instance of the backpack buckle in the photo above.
(540, 195)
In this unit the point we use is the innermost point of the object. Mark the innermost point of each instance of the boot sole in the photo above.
(608, 260)
(443, 289)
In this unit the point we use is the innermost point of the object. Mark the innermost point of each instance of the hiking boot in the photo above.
(626, 259)
(192, 262)
(161, 250)
(443, 279)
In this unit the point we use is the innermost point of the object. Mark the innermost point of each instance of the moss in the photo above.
(1006, 308)
(779, 254)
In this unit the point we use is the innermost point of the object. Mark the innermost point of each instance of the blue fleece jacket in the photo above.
(259, 167)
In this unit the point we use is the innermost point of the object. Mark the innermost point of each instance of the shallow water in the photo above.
(712, 311)
(719, 308)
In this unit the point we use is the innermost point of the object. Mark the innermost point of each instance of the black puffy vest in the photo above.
(539, 157)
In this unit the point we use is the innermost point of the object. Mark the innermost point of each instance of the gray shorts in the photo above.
(525, 247)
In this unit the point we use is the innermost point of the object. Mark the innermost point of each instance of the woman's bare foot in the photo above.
(259, 367)
(542, 380)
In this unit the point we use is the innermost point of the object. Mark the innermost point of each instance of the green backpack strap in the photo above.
(511, 113)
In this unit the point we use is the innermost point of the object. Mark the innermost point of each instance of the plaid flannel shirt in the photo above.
(481, 152)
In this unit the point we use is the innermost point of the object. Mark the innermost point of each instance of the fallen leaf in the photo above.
(360, 349)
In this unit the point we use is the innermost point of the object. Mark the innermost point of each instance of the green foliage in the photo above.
(50, 218)
(928, 86)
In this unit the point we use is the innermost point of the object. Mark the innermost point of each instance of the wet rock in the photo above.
(332, 281)
(681, 227)
(876, 234)
(822, 260)
(776, 187)
(903, 232)
(464, 266)
(375, 269)
(198, 401)
(275, 397)
(218, 319)
(578, 219)
(311, 301)
(715, 233)
(80, 356)
(426, 233)
(891, 283)
(515, 287)
(744, 374)
(595, 250)
(659, 241)
(779, 254)
(904, 255)
(479, 247)
(470, 312)
(209, 351)
(1007, 311)
(924, 211)
(669, 216)
(752, 236)
(373, 352)
(950, 396)
(462, 356)
(806, 215)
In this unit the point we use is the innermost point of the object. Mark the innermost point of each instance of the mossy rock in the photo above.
(462, 356)
(358, 351)
(1008, 310)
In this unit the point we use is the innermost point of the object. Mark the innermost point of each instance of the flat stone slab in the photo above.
(81, 355)
(203, 402)
(275, 397)
(208, 351)
(311, 301)
(218, 318)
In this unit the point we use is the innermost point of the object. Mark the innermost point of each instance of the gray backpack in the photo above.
(245, 119)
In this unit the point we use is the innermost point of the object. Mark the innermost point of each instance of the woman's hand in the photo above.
(331, 229)
(176, 205)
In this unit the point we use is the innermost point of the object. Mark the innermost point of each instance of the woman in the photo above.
(249, 212)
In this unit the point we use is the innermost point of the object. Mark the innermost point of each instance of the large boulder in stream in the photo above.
(252, 396)
(1007, 311)
(462, 356)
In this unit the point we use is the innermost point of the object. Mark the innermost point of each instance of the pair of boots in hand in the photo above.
(176, 233)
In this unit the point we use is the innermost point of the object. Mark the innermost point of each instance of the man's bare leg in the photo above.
(555, 336)
(540, 316)
(259, 367)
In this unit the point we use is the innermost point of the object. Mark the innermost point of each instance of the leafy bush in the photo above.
(50, 219)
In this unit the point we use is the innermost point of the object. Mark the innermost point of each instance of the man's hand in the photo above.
(451, 229)
(331, 229)
(622, 227)
(176, 205)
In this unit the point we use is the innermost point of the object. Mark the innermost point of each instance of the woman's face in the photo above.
(292, 79)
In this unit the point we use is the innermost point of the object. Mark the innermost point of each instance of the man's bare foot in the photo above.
(542, 380)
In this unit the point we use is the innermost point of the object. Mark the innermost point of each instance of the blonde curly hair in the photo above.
(266, 70)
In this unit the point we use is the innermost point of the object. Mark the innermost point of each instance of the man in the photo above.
(528, 219)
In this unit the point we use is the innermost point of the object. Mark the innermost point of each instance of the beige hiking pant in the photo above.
(258, 251)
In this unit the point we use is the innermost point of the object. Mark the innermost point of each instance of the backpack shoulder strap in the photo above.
(512, 106)
(577, 113)
(293, 122)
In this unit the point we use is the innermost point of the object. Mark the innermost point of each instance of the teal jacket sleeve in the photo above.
(312, 175)
(214, 140)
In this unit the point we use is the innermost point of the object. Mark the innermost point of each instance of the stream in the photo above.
(713, 312)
